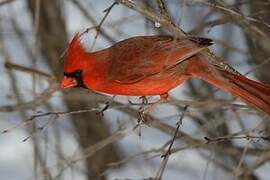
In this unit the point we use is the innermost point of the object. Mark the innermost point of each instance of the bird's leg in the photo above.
(144, 101)
(143, 113)
(142, 117)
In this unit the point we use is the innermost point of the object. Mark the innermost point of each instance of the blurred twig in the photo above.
(163, 9)
(4, 2)
(21, 68)
(40, 99)
(87, 14)
(168, 152)
(244, 22)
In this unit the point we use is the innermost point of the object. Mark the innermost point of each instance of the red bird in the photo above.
(153, 65)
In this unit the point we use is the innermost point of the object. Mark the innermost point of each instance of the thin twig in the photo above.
(237, 171)
(41, 99)
(167, 154)
(91, 150)
(35, 44)
(163, 9)
(18, 67)
(98, 28)
(87, 14)
(228, 138)
(4, 2)
(40, 128)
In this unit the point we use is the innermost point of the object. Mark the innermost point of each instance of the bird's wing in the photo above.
(137, 58)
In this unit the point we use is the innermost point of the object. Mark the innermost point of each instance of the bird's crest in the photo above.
(75, 44)
(75, 55)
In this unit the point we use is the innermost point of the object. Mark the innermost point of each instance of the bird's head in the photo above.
(76, 62)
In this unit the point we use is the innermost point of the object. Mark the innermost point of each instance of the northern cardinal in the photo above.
(153, 65)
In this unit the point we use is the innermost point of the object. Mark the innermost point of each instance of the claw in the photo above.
(144, 117)
(144, 100)
(144, 112)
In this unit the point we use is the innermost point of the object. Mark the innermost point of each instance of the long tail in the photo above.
(252, 92)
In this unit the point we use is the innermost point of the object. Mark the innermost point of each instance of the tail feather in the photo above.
(201, 41)
(252, 92)
(255, 93)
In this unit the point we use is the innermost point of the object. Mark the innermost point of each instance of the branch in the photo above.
(21, 68)
(87, 14)
(4, 2)
(168, 152)
(163, 9)
(175, 30)
(244, 22)
(40, 99)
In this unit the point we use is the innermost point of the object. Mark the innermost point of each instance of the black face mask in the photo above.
(77, 75)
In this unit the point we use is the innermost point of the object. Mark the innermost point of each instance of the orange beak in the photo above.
(68, 83)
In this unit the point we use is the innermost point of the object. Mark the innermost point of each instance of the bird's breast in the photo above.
(154, 85)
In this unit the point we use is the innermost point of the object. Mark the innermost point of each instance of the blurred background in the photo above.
(48, 133)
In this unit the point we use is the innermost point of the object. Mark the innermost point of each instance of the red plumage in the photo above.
(153, 65)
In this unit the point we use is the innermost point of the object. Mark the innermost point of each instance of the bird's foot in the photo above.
(144, 115)
(144, 112)
(144, 101)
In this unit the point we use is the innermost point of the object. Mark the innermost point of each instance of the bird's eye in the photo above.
(74, 74)
(78, 72)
